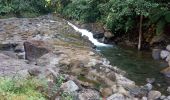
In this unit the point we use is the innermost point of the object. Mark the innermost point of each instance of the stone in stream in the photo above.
(162, 97)
(153, 95)
(35, 49)
(168, 97)
(167, 58)
(168, 89)
(156, 54)
(164, 54)
(166, 72)
(168, 47)
(150, 80)
(148, 86)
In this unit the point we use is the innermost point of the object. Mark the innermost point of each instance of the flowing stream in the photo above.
(139, 65)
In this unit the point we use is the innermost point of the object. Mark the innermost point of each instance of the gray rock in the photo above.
(168, 89)
(162, 97)
(168, 47)
(164, 54)
(116, 96)
(10, 66)
(166, 72)
(168, 97)
(167, 58)
(150, 80)
(148, 86)
(108, 34)
(153, 95)
(144, 98)
(69, 86)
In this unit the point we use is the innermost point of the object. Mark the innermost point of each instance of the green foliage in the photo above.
(22, 6)
(20, 89)
(120, 15)
(83, 10)
(160, 17)
(67, 96)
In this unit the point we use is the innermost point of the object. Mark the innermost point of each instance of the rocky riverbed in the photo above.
(48, 47)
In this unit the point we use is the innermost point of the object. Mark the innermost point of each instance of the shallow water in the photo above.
(139, 65)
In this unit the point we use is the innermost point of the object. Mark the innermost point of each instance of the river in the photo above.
(139, 65)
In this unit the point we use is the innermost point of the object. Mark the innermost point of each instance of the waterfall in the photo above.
(85, 32)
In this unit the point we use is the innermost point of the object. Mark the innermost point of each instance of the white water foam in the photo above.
(85, 32)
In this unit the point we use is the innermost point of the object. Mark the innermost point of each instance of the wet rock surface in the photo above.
(53, 48)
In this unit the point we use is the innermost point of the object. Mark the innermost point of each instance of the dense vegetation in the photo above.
(31, 88)
(119, 16)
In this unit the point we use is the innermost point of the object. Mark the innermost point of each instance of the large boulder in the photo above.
(35, 49)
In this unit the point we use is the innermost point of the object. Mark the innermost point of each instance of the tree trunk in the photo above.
(140, 32)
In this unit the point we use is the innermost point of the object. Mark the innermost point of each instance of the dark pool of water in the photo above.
(139, 65)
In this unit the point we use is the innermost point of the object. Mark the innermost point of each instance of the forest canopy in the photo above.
(118, 16)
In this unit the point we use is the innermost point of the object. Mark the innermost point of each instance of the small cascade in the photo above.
(85, 32)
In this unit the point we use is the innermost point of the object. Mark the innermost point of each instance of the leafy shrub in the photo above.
(20, 89)
(83, 10)
(160, 17)
(19, 6)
